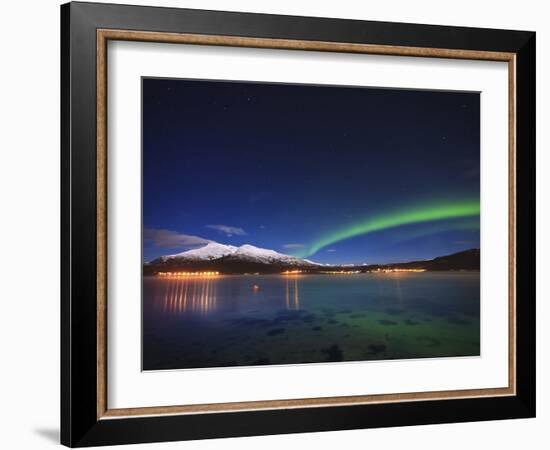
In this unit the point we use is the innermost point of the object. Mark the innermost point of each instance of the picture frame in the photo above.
(86, 418)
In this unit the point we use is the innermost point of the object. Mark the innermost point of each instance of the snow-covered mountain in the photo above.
(228, 259)
(210, 251)
(250, 253)
(228, 254)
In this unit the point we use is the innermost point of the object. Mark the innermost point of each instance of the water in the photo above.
(240, 320)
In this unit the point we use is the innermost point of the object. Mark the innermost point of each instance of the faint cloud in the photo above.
(331, 250)
(228, 230)
(171, 239)
(293, 246)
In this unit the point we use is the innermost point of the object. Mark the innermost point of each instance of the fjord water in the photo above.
(242, 320)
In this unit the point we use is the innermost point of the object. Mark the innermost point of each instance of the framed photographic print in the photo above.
(277, 224)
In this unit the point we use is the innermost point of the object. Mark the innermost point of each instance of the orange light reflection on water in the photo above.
(186, 274)
(184, 295)
(292, 293)
(199, 294)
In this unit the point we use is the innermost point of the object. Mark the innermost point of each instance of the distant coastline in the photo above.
(271, 262)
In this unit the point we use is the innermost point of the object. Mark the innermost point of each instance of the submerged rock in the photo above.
(334, 353)
(377, 348)
(410, 322)
(456, 321)
(432, 341)
(357, 316)
(387, 322)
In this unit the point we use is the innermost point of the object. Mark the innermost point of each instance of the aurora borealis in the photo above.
(417, 215)
(336, 174)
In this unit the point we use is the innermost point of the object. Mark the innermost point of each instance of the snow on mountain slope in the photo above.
(210, 251)
(251, 253)
(213, 251)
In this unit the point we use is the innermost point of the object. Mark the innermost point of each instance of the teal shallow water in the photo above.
(290, 319)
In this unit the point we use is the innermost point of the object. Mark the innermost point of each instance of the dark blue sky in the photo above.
(281, 166)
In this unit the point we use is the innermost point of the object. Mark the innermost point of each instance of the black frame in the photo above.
(79, 423)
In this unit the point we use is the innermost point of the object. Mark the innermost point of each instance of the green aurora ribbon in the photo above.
(412, 216)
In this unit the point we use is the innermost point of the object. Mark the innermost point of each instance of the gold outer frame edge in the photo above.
(103, 36)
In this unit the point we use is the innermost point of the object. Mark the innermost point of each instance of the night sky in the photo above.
(335, 174)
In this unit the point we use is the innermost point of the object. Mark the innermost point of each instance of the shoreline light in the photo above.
(187, 274)
(398, 270)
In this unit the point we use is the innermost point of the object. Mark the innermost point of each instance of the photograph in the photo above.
(282, 221)
(296, 223)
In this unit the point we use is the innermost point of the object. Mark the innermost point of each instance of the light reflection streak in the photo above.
(182, 295)
(398, 288)
(193, 294)
(295, 294)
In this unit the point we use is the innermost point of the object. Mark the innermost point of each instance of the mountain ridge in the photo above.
(247, 258)
(214, 251)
